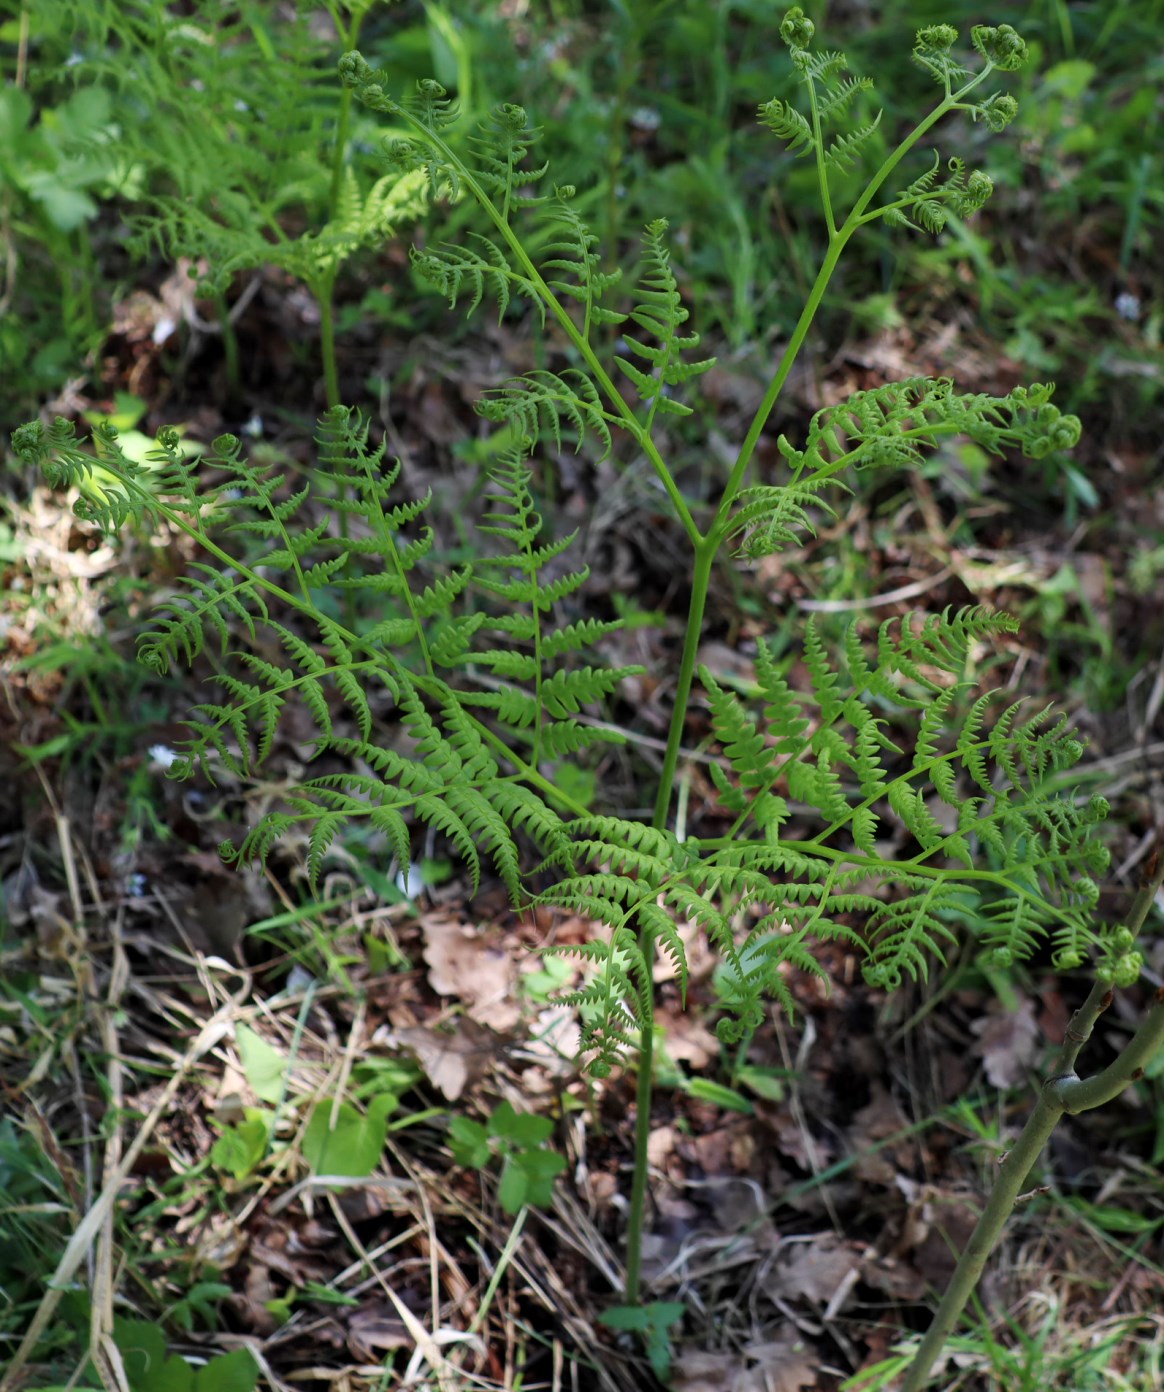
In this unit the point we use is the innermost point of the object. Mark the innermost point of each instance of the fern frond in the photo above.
(499, 148)
(483, 265)
(788, 124)
(825, 66)
(891, 425)
(571, 252)
(836, 101)
(774, 517)
(845, 150)
(542, 401)
(834, 764)
(659, 311)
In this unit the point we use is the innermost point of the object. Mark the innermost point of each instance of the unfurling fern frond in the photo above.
(930, 199)
(659, 312)
(831, 96)
(892, 426)
(788, 124)
(932, 52)
(500, 147)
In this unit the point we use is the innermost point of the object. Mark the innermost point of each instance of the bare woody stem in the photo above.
(1063, 1092)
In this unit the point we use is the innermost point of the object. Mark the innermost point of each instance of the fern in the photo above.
(660, 314)
(892, 426)
(485, 669)
(542, 402)
(541, 696)
(342, 678)
(835, 765)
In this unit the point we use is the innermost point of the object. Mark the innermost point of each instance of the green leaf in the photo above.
(541, 1168)
(768, 1083)
(143, 1348)
(514, 1187)
(652, 1322)
(265, 1067)
(175, 1375)
(528, 1178)
(353, 1146)
(241, 1148)
(718, 1095)
(231, 1372)
(470, 1143)
(522, 1128)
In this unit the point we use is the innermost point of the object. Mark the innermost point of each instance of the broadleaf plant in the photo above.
(485, 669)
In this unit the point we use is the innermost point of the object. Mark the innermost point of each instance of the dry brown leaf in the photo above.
(785, 1365)
(687, 1039)
(372, 1330)
(465, 965)
(555, 1037)
(1008, 1041)
(451, 1061)
(707, 1372)
(781, 1364)
(815, 1270)
(877, 1120)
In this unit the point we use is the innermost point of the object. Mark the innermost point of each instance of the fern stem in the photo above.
(858, 215)
(323, 290)
(348, 37)
(530, 774)
(644, 1092)
(838, 240)
(1062, 1092)
(776, 386)
(822, 173)
(705, 552)
(229, 343)
(626, 417)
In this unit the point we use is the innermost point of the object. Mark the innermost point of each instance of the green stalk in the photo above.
(1062, 1092)
(322, 290)
(700, 580)
(643, 1095)
(229, 343)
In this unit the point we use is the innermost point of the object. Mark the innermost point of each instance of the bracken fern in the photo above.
(486, 672)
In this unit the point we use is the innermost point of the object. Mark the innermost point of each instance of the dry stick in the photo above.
(1063, 1092)
(90, 1226)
